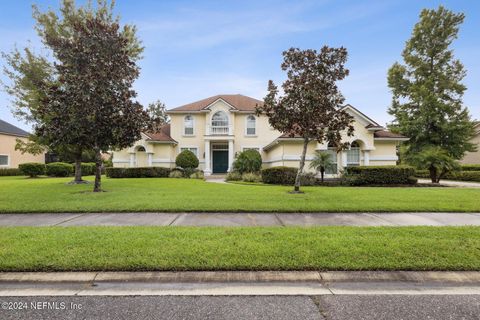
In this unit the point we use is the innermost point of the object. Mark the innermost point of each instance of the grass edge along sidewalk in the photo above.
(22, 195)
(238, 248)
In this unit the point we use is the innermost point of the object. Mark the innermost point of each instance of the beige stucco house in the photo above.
(217, 128)
(9, 157)
(473, 157)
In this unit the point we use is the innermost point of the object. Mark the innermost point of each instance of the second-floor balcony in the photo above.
(219, 130)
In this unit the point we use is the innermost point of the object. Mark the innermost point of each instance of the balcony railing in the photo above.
(219, 130)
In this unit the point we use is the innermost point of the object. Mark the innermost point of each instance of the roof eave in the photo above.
(14, 134)
(392, 139)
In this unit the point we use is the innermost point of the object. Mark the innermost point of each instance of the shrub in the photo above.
(176, 174)
(32, 169)
(464, 176)
(59, 169)
(308, 179)
(375, 175)
(458, 175)
(251, 177)
(279, 175)
(197, 175)
(233, 176)
(470, 167)
(141, 172)
(10, 172)
(187, 160)
(88, 168)
(248, 161)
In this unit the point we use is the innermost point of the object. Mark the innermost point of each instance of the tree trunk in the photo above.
(322, 172)
(296, 189)
(78, 167)
(98, 171)
(433, 174)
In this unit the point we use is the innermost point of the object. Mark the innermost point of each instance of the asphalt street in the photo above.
(329, 307)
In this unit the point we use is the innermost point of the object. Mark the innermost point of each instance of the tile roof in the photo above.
(238, 101)
(10, 129)
(387, 134)
(163, 135)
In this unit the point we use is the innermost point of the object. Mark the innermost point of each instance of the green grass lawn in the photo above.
(249, 248)
(20, 194)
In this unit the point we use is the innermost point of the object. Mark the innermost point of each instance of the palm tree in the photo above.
(322, 161)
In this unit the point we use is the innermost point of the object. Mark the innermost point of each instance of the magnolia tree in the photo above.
(96, 66)
(80, 98)
(310, 107)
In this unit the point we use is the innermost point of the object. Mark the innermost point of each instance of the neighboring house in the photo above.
(473, 157)
(9, 157)
(217, 128)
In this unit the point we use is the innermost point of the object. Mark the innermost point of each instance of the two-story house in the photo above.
(216, 128)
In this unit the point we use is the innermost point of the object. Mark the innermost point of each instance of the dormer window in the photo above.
(251, 126)
(220, 123)
(188, 125)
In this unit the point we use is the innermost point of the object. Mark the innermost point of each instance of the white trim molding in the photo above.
(383, 158)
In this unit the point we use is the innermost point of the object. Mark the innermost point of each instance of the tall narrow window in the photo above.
(332, 150)
(353, 155)
(188, 126)
(251, 126)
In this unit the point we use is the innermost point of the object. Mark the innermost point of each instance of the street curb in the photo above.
(243, 276)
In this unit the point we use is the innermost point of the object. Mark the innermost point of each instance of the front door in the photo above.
(220, 161)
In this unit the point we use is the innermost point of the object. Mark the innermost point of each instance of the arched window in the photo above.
(188, 125)
(353, 155)
(141, 149)
(220, 123)
(251, 126)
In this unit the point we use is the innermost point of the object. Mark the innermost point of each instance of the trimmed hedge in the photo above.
(88, 168)
(458, 175)
(378, 175)
(142, 172)
(4, 172)
(279, 175)
(187, 160)
(59, 169)
(32, 169)
(470, 167)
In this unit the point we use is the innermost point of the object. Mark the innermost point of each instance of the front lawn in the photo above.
(248, 248)
(20, 194)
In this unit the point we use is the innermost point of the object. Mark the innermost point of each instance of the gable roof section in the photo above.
(162, 136)
(371, 123)
(237, 102)
(10, 129)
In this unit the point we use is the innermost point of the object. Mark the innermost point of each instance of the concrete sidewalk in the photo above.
(240, 219)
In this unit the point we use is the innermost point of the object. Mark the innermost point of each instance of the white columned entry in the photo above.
(230, 155)
(366, 157)
(132, 159)
(207, 170)
(150, 159)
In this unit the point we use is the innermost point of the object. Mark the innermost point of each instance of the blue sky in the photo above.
(196, 49)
